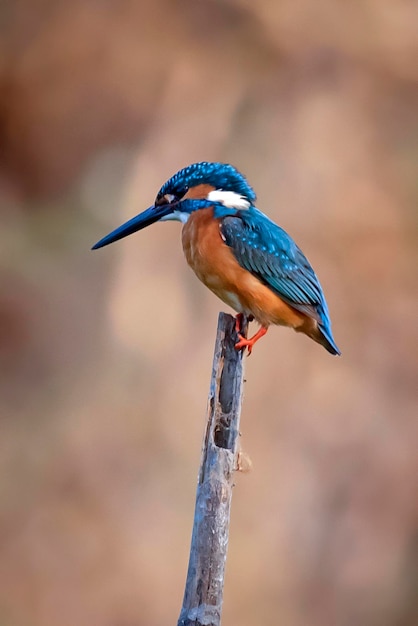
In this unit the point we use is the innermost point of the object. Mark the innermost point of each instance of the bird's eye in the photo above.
(169, 198)
(182, 192)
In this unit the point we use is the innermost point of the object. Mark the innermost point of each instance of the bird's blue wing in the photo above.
(270, 254)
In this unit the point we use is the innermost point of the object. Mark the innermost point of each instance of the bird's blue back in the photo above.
(268, 252)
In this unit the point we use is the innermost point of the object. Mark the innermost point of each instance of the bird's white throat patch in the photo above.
(229, 199)
(177, 216)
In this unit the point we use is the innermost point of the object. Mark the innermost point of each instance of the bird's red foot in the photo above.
(249, 343)
(238, 322)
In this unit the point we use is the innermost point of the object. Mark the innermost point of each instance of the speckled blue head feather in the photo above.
(219, 175)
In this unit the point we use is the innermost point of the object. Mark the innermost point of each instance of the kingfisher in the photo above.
(241, 255)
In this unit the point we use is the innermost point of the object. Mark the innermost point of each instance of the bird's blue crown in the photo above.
(219, 175)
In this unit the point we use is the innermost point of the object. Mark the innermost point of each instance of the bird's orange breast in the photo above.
(216, 266)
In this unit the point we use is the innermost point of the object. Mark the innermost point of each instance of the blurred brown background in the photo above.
(105, 357)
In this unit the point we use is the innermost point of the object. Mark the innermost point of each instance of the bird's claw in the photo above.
(244, 343)
(248, 343)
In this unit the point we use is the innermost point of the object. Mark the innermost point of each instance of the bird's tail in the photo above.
(325, 338)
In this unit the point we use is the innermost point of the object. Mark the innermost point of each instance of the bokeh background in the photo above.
(105, 357)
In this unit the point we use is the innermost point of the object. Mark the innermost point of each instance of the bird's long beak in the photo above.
(144, 219)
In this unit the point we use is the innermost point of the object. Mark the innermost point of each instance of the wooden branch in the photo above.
(202, 603)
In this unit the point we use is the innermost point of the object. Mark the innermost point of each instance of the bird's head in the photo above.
(195, 187)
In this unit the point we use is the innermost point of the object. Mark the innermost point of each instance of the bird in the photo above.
(239, 253)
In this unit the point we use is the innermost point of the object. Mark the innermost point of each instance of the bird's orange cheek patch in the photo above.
(199, 191)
